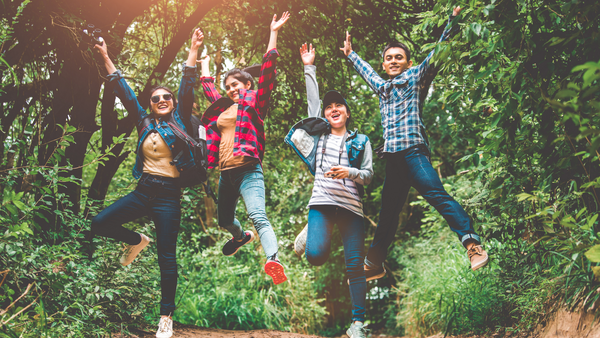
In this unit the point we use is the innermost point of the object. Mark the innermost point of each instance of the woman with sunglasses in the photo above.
(235, 138)
(158, 190)
(341, 162)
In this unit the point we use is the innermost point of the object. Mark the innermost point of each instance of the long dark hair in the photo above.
(244, 75)
(174, 98)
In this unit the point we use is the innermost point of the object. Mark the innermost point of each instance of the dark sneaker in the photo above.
(300, 242)
(232, 246)
(274, 269)
(478, 257)
(357, 330)
(374, 273)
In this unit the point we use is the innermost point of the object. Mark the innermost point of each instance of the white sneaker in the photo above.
(300, 242)
(131, 251)
(165, 328)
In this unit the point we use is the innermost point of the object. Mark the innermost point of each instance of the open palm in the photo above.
(307, 54)
(275, 25)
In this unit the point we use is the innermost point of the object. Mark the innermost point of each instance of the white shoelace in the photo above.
(164, 326)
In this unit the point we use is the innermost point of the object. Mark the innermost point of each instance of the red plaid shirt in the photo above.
(253, 107)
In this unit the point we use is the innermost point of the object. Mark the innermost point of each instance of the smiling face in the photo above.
(162, 107)
(337, 115)
(395, 62)
(233, 86)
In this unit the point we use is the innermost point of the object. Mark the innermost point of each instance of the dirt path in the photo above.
(190, 331)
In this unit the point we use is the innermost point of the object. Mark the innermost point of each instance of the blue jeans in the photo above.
(249, 182)
(159, 198)
(411, 167)
(321, 219)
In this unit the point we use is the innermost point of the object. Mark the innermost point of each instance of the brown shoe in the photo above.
(131, 251)
(477, 256)
(374, 273)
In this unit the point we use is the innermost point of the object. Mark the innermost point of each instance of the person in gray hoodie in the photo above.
(341, 162)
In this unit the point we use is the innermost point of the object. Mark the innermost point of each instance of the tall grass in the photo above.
(235, 293)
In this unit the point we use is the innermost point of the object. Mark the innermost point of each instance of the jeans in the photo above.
(321, 219)
(159, 198)
(248, 182)
(411, 167)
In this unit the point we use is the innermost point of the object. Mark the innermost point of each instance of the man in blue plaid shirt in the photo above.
(406, 150)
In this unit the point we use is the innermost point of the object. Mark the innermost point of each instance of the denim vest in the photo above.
(304, 139)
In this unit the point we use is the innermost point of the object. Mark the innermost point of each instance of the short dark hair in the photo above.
(396, 44)
(240, 75)
(174, 97)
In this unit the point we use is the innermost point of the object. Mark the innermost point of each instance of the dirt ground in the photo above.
(562, 324)
(190, 331)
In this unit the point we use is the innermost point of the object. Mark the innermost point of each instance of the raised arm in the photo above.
(121, 89)
(268, 70)
(275, 26)
(363, 68)
(424, 69)
(312, 87)
(103, 51)
(208, 83)
(205, 66)
(197, 39)
(185, 95)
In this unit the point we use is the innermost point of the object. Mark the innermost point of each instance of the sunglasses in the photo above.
(156, 98)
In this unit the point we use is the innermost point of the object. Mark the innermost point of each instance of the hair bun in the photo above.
(253, 70)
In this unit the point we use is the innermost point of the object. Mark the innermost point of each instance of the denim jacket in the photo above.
(181, 113)
(304, 138)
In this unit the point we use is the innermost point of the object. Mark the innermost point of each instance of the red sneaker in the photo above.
(274, 269)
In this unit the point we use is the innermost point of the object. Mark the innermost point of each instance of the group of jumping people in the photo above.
(339, 159)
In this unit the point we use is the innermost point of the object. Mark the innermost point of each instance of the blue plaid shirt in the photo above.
(401, 99)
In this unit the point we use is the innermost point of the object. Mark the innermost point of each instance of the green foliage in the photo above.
(515, 104)
(234, 292)
(49, 288)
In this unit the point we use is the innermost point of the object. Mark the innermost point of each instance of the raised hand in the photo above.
(108, 64)
(102, 49)
(197, 38)
(204, 60)
(456, 11)
(307, 54)
(347, 49)
(204, 66)
(275, 25)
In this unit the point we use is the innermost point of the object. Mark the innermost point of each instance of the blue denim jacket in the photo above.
(315, 127)
(181, 113)
(304, 138)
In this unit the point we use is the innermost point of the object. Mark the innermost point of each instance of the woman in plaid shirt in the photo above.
(235, 138)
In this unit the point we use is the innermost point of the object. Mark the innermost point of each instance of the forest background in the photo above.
(513, 123)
